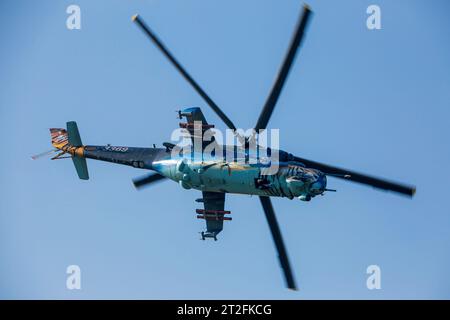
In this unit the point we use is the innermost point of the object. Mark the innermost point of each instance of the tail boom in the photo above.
(69, 143)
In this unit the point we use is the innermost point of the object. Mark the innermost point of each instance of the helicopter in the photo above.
(215, 174)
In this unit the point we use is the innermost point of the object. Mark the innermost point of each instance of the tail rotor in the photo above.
(68, 142)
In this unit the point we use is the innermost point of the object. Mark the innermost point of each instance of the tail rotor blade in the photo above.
(147, 180)
(279, 244)
(43, 154)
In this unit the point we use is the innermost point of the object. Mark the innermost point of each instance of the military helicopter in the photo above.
(214, 175)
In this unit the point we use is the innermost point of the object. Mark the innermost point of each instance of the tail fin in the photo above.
(81, 167)
(73, 134)
(69, 141)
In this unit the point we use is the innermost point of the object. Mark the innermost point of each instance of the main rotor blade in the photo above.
(279, 244)
(358, 177)
(269, 106)
(148, 179)
(136, 18)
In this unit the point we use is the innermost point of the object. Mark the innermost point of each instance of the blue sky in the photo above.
(373, 101)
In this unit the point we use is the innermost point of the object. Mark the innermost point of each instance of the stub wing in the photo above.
(197, 127)
(213, 213)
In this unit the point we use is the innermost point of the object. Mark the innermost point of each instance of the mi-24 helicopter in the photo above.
(216, 176)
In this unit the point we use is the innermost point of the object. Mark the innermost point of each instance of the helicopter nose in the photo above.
(318, 186)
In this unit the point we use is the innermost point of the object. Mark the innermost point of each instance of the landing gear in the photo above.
(208, 235)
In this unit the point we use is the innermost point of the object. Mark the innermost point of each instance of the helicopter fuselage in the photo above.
(206, 172)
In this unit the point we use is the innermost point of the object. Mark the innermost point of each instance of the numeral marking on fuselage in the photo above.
(118, 149)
